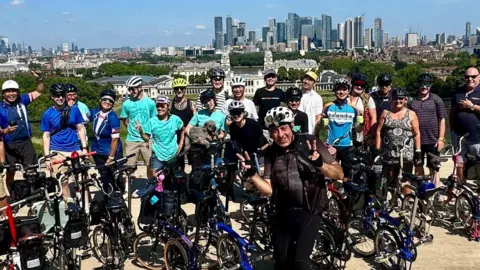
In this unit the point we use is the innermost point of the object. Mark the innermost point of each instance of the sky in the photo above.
(150, 23)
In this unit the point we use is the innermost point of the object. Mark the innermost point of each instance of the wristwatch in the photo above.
(442, 139)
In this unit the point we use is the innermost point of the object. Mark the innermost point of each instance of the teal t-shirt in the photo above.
(85, 111)
(200, 118)
(164, 136)
(137, 110)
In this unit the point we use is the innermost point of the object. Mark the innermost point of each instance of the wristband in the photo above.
(110, 157)
(418, 150)
(84, 148)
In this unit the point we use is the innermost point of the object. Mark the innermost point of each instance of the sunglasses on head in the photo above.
(471, 76)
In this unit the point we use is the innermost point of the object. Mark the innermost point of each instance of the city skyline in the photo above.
(149, 24)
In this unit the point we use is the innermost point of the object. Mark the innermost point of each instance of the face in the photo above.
(72, 96)
(341, 92)
(399, 102)
(210, 104)
(282, 135)
(59, 100)
(10, 95)
(424, 87)
(135, 91)
(358, 87)
(217, 82)
(162, 109)
(293, 103)
(179, 91)
(308, 83)
(238, 91)
(106, 103)
(385, 87)
(471, 78)
(237, 116)
(270, 79)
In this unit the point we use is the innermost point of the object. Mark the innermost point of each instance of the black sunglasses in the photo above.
(471, 76)
(179, 88)
(217, 78)
(107, 100)
(57, 96)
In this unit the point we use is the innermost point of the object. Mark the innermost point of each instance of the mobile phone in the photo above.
(12, 123)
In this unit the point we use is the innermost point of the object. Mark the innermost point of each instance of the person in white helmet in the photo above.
(137, 110)
(238, 91)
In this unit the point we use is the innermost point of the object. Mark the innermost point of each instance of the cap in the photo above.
(10, 84)
(269, 72)
(312, 75)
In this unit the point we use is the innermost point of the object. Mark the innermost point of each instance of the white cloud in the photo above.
(66, 13)
(200, 26)
(167, 32)
(188, 33)
(16, 2)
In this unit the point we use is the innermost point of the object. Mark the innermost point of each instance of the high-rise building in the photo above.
(281, 32)
(358, 32)
(73, 47)
(334, 35)
(218, 25)
(242, 29)
(304, 43)
(5, 41)
(229, 24)
(341, 31)
(289, 27)
(368, 41)
(468, 30)
(265, 30)
(349, 35)
(293, 17)
(272, 25)
(252, 37)
(385, 39)
(378, 33)
(326, 31)
(411, 40)
(64, 47)
(317, 29)
(307, 31)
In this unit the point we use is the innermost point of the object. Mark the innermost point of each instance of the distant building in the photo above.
(411, 40)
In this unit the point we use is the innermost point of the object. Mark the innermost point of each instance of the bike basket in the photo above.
(76, 230)
(27, 225)
(116, 204)
(155, 203)
(32, 254)
(199, 180)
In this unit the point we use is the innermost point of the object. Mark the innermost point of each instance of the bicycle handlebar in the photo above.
(62, 161)
(40, 192)
(460, 144)
(60, 189)
(115, 161)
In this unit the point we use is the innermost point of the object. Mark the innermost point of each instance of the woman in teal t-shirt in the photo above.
(163, 129)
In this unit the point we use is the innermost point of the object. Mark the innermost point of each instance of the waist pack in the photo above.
(76, 229)
(32, 254)
(153, 204)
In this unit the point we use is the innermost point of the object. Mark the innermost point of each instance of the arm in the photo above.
(416, 130)
(124, 114)
(187, 129)
(330, 167)
(182, 140)
(2, 151)
(82, 135)
(378, 137)
(46, 143)
(145, 137)
(40, 87)
(319, 110)
(221, 134)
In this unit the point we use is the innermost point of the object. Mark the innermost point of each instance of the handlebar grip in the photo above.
(58, 161)
(51, 155)
(129, 156)
(90, 154)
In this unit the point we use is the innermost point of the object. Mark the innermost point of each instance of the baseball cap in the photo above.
(269, 72)
(10, 84)
(312, 75)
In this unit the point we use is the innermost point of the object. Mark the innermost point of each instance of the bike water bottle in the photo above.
(160, 178)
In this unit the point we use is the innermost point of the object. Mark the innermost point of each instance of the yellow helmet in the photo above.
(179, 82)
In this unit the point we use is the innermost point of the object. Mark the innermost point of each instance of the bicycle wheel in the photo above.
(100, 247)
(323, 253)
(336, 210)
(387, 244)
(149, 251)
(441, 210)
(207, 254)
(361, 235)
(407, 206)
(464, 210)
(246, 210)
(175, 255)
(229, 256)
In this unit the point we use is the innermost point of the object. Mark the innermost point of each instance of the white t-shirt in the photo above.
(249, 108)
(358, 104)
(311, 104)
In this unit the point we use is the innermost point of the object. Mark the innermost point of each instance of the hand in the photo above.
(440, 145)
(84, 152)
(10, 129)
(465, 104)
(37, 74)
(109, 160)
(248, 167)
(314, 155)
(417, 158)
(48, 165)
(138, 126)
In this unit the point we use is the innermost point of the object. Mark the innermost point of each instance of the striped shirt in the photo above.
(429, 112)
(220, 97)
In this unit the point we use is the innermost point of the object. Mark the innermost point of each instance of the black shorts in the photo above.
(20, 152)
(428, 148)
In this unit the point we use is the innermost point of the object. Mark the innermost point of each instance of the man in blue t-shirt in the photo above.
(72, 100)
(15, 125)
(62, 126)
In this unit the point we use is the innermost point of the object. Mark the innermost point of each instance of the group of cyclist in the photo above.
(295, 160)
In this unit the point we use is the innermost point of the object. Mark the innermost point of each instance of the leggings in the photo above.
(294, 233)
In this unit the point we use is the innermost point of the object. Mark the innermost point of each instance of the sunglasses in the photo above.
(162, 105)
(341, 89)
(107, 100)
(398, 98)
(359, 85)
(58, 96)
(179, 88)
(236, 113)
(217, 79)
(471, 76)
(294, 100)
(132, 88)
(425, 85)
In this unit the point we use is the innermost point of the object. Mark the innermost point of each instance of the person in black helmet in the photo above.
(383, 97)
(431, 115)
(106, 131)
(217, 79)
(293, 95)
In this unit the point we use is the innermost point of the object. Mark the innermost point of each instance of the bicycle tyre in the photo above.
(243, 212)
(420, 211)
(353, 248)
(327, 249)
(170, 246)
(466, 222)
(226, 239)
(338, 218)
(204, 261)
(95, 246)
(378, 234)
(143, 262)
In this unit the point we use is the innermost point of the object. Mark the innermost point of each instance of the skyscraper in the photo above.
(296, 25)
(242, 29)
(281, 32)
(218, 25)
(378, 32)
(468, 30)
(326, 31)
(349, 35)
(341, 32)
(229, 24)
(289, 27)
(368, 41)
(358, 30)
(265, 30)
(252, 37)
(272, 25)
(317, 29)
(307, 31)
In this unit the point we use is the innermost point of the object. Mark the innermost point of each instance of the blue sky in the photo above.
(148, 23)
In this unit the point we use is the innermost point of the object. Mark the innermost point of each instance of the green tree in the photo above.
(176, 76)
(282, 74)
(409, 76)
(400, 65)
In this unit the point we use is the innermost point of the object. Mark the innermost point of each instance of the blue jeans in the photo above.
(156, 164)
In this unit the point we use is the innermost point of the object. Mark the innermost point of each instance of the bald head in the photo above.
(471, 78)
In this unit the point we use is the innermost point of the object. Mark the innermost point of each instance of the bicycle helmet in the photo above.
(134, 81)
(278, 116)
(217, 72)
(359, 78)
(108, 93)
(236, 105)
(293, 93)
(384, 79)
(424, 78)
(57, 89)
(70, 88)
(10, 85)
(399, 93)
(238, 81)
(162, 100)
(339, 82)
(206, 95)
(179, 82)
